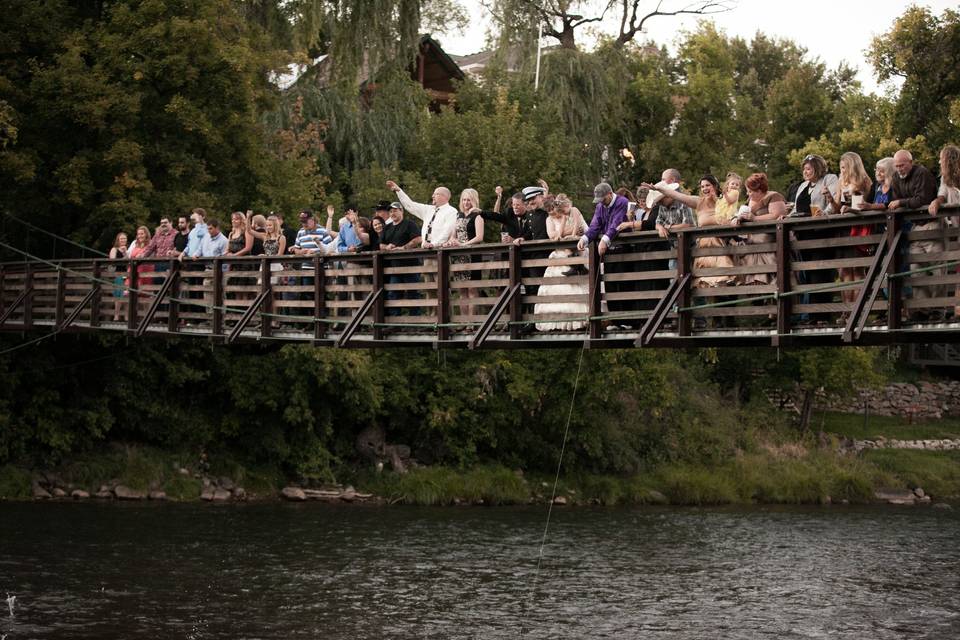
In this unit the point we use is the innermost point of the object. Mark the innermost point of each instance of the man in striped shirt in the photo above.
(312, 239)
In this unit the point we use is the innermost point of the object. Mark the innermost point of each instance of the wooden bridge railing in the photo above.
(767, 283)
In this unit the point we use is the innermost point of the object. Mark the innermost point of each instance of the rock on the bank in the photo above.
(126, 493)
(904, 497)
(79, 494)
(239, 493)
(207, 494)
(560, 500)
(39, 493)
(221, 495)
(295, 494)
(57, 492)
(157, 495)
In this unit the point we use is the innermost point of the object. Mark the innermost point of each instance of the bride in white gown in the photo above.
(565, 223)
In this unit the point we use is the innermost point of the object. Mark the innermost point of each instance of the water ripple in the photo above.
(306, 571)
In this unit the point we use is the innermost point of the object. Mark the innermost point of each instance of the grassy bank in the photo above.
(788, 473)
(813, 477)
(140, 468)
(854, 426)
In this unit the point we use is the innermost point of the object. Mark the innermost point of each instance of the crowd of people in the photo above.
(534, 213)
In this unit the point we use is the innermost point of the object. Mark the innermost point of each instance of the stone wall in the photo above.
(920, 401)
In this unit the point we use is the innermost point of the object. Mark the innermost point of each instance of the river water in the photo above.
(317, 571)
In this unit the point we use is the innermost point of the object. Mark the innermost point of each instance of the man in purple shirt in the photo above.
(610, 212)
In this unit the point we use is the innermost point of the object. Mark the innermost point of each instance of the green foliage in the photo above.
(14, 483)
(182, 488)
(853, 425)
(922, 49)
(113, 113)
(936, 472)
(684, 484)
(151, 108)
(483, 149)
(368, 185)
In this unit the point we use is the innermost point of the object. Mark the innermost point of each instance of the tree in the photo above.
(836, 371)
(562, 18)
(923, 50)
(153, 107)
(482, 150)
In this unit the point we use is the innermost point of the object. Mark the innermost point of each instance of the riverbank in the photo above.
(823, 470)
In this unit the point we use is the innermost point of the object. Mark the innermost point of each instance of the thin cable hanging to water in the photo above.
(556, 479)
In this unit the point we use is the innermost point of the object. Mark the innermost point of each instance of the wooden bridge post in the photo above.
(784, 302)
(28, 301)
(217, 328)
(378, 306)
(443, 294)
(58, 313)
(97, 272)
(132, 296)
(683, 268)
(894, 285)
(173, 307)
(266, 321)
(319, 298)
(594, 304)
(516, 305)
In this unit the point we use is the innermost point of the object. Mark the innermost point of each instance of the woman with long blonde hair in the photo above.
(854, 188)
(468, 231)
(949, 194)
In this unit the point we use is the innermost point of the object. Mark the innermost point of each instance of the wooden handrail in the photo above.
(638, 262)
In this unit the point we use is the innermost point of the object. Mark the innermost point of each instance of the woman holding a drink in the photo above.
(814, 199)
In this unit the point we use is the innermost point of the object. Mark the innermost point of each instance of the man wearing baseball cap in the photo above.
(610, 211)
(382, 211)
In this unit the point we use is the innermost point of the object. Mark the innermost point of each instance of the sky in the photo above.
(834, 30)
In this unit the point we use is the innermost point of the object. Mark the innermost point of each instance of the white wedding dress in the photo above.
(544, 308)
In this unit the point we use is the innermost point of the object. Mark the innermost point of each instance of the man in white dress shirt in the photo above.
(439, 218)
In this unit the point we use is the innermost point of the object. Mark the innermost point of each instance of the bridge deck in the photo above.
(757, 285)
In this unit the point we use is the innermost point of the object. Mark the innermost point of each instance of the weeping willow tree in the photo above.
(359, 131)
(362, 93)
(587, 97)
